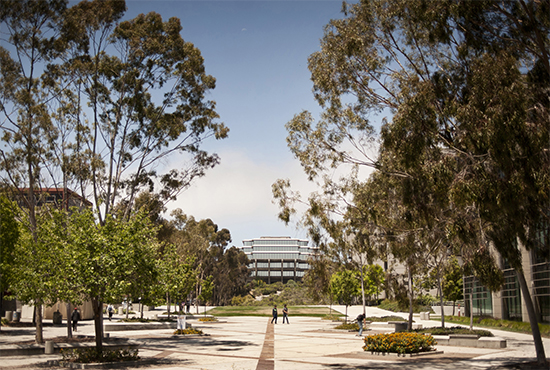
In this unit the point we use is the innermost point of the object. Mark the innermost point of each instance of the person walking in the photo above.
(360, 319)
(110, 311)
(285, 315)
(75, 317)
(274, 314)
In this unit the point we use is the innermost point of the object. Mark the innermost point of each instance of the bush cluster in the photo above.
(135, 319)
(187, 331)
(399, 343)
(90, 355)
(349, 326)
(454, 330)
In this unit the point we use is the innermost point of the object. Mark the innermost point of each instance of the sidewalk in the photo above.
(252, 343)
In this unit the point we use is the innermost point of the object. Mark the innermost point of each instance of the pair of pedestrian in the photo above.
(285, 314)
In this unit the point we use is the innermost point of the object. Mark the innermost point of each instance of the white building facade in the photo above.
(278, 258)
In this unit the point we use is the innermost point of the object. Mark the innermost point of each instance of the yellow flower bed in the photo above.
(187, 331)
(208, 319)
(399, 343)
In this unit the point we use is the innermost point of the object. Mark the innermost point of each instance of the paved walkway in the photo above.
(240, 343)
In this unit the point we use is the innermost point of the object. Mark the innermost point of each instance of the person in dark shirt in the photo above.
(285, 315)
(75, 317)
(274, 313)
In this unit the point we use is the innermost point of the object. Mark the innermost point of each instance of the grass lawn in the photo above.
(266, 311)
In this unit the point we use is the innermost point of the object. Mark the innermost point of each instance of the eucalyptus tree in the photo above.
(463, 81)
(30, 41)
(146, 89)
(94, 102)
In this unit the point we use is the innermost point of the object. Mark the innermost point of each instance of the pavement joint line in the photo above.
(267, 361)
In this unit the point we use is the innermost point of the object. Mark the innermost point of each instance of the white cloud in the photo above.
(237, 195)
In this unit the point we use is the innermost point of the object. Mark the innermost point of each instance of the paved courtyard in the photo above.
(240, 343)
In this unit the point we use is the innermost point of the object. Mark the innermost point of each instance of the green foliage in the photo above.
(399, 343)
(403, 306)
(344, 286)
(246, 300)
(9, 237)
(463, 158)
(375, 280)
(452, 282)
(454, 330)
(91, 355)
(348, 326)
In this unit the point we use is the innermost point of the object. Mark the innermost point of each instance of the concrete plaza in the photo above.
(239, 343)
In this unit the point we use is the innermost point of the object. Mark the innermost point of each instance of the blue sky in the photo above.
(257, 51)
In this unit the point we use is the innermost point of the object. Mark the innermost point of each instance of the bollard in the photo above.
(48, 348)
(9, 315)
(121, 311)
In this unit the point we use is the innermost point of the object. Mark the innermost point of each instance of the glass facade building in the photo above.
(278, 258)
(509, 303)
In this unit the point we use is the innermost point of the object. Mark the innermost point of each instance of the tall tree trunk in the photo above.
(441, 299)
(411, 297)
(539, 347)
(69, 326)
(98, 324)
(39, 326)
(168, 303)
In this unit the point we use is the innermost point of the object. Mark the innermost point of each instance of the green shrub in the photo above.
(454, 330)
(400, 306)
(4, 321)
(332, 317)
(89, 355)
(348, 326)
(188, 331)
(135, 319)
(246, 300)
(399, 343)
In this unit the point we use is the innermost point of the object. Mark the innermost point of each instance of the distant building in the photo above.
(278, 258)
(61, 198)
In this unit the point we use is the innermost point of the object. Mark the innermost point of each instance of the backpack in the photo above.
(360, 317)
